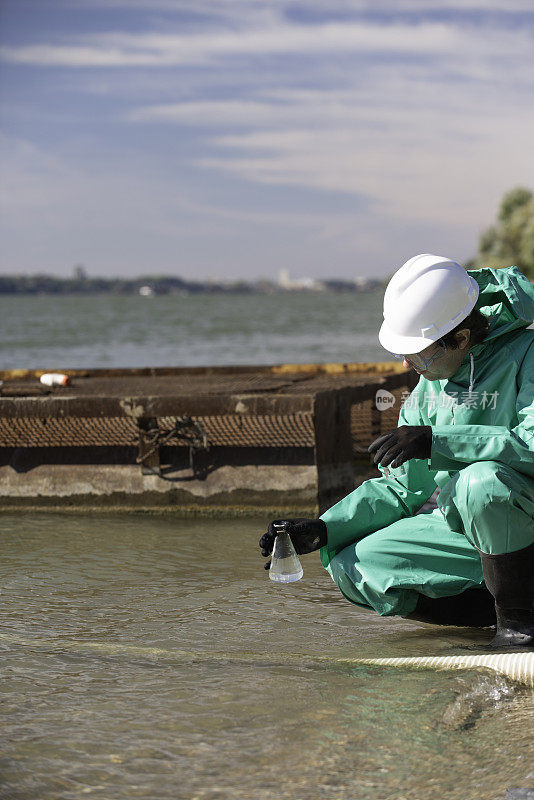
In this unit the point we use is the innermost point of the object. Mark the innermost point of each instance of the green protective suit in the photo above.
(382, 551)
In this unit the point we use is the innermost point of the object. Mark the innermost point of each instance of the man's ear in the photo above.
(463, 337)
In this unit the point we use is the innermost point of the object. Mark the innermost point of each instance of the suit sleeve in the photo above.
(455, 446)
(378, 502)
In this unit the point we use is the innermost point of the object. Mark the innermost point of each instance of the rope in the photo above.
(184, 430)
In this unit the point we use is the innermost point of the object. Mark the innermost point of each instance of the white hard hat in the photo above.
(425, 299)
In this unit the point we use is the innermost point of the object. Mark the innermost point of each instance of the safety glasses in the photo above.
(422, 363)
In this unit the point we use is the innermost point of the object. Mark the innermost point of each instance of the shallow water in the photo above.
(151, 657)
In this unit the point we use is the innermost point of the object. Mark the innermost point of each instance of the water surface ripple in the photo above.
(130, 331)
(151, 657)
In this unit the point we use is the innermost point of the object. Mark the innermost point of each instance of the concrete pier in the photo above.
(283, 438)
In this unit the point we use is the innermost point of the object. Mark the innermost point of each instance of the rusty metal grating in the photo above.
(67, 432)
(290, 430)
(239, 430)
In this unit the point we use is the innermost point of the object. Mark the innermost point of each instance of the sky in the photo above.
(230, 139)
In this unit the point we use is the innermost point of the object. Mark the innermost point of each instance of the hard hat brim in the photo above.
(401, 345)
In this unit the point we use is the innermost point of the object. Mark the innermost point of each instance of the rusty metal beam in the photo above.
(349, 368)
(141, 405)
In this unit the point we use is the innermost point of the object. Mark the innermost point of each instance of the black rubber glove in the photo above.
(307, 535)
(398, 446)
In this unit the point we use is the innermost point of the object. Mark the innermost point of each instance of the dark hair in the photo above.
(478, 325)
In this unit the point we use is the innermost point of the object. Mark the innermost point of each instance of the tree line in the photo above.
(510, 240)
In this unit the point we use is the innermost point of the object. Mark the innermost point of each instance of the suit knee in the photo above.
(483, 482)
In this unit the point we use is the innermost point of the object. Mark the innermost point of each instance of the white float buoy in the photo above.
(55, 379)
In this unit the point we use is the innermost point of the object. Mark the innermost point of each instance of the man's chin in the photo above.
(431, 376)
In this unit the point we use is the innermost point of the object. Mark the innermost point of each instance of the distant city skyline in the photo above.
(81, 282)
(233, 139)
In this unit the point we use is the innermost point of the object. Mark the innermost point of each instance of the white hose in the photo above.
(518, 667)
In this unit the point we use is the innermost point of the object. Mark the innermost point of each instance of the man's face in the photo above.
(447, 362)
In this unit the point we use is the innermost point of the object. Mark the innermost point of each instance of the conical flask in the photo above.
(285, 565)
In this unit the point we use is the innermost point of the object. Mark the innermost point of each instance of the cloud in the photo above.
(399, 169)
(243, 113)
(169, 50)
(380, 140)
(236, 8)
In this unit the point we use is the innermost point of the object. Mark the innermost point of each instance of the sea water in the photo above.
(40, 332)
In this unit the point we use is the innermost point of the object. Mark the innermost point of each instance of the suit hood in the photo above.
(507, 297)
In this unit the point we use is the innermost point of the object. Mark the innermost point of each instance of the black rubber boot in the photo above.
(510, 579)
(474, 608)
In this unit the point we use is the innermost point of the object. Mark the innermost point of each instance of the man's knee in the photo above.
(363, 560)
(373, 548)
(483, 482)
(481, 473)
(366, 576)
(495, 504)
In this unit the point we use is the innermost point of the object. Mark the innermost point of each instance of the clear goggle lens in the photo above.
(421, 362)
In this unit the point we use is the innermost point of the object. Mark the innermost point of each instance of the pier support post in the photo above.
(148, 453)
(333, 447)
